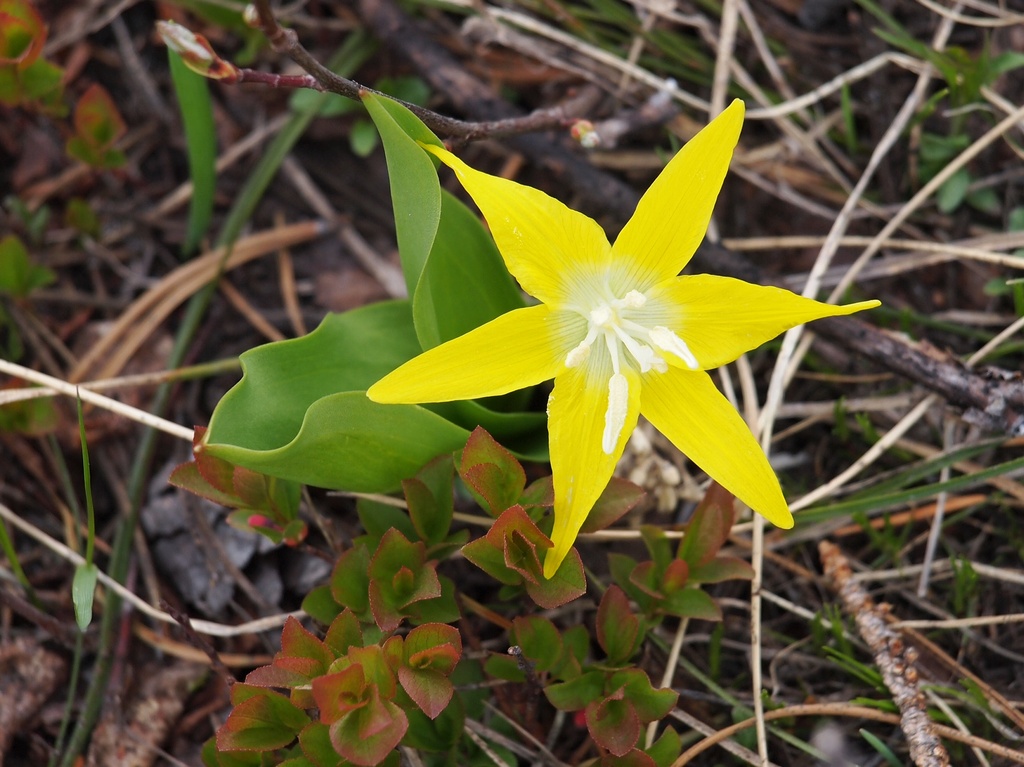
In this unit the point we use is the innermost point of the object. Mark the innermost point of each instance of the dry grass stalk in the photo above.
(896, 660)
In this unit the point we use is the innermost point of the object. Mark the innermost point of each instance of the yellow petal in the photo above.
(579, 465)
(518, 349)
(674, 213)
(686, 407)
(546, 245)
(720, 318)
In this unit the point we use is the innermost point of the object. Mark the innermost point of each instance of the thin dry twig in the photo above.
(896, 660)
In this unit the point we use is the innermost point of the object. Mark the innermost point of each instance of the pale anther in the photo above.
(578, 356)
(668, 341)
(615, 416)
(634, 299)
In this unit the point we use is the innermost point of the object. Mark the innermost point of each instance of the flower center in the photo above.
(619, 322)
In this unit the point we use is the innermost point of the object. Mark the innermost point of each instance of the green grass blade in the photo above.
(193, 94)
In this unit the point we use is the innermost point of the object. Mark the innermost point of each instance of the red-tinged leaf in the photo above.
(618, 630)
(578, 693)
(521, 556)
(377, 670)
(710, 527)
(297, 642)
(491, 559)
(429, 496)
(385, 614)
(692, 603)
(722, 569)
(286, 673)
(188, 477)
(343, 633)
(97, 121)
(315, 741)
(541, 492)
(263, 722)
(339, 694)
(650, 704)
(645, 578)
(216, 471)
(367, 736)
(492, 472)
(294, 533)
(539, 640)
(676, 575)
(22, 33)
(665, 749)
(430, 690)
(568, 583)
(634, 758)
(613, 724)
(618, 498)
(350, 580)
(437, 646)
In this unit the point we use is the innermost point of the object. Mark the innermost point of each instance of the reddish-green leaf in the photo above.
(633, 758)
(568, 583)
(618, 498)
(578, 693)
(676, 575)
(650, 704)
(692, 603)
(618, 630)
(433, 645)
(366, 736)
(709, 528)
(344, 633)
(430, 690)
(722, 569)
(22, 33)
(263, 721)
(539, 640)
(430, 501)
(98, 125)
(350, 580)
(613, 724)
(341, 693)
(492, 472)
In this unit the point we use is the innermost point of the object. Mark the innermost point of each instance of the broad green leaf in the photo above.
(193, 94)
(346, 441)
(415, 190)
(464, 263)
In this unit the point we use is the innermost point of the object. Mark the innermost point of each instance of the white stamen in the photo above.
(601, 315)
(615, 416)
(634, 299)
(578, 356)
(668, 341)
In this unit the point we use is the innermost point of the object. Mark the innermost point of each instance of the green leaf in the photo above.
(953, 191)
(493, 474)
(261, 720)
(83, 588)
(618, 630)
(539, 640)
(578, 693)
(193, 94)
(363, 138)
(429, 496)
(18, 275)
(415, 190)
(709, 528)
(463, 262)
(665, 749)
(300, 413)
(613, 724)
(367, 735)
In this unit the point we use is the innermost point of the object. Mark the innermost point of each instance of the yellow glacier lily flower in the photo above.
(620, 332)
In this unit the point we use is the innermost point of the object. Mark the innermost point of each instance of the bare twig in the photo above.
(896, 660)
